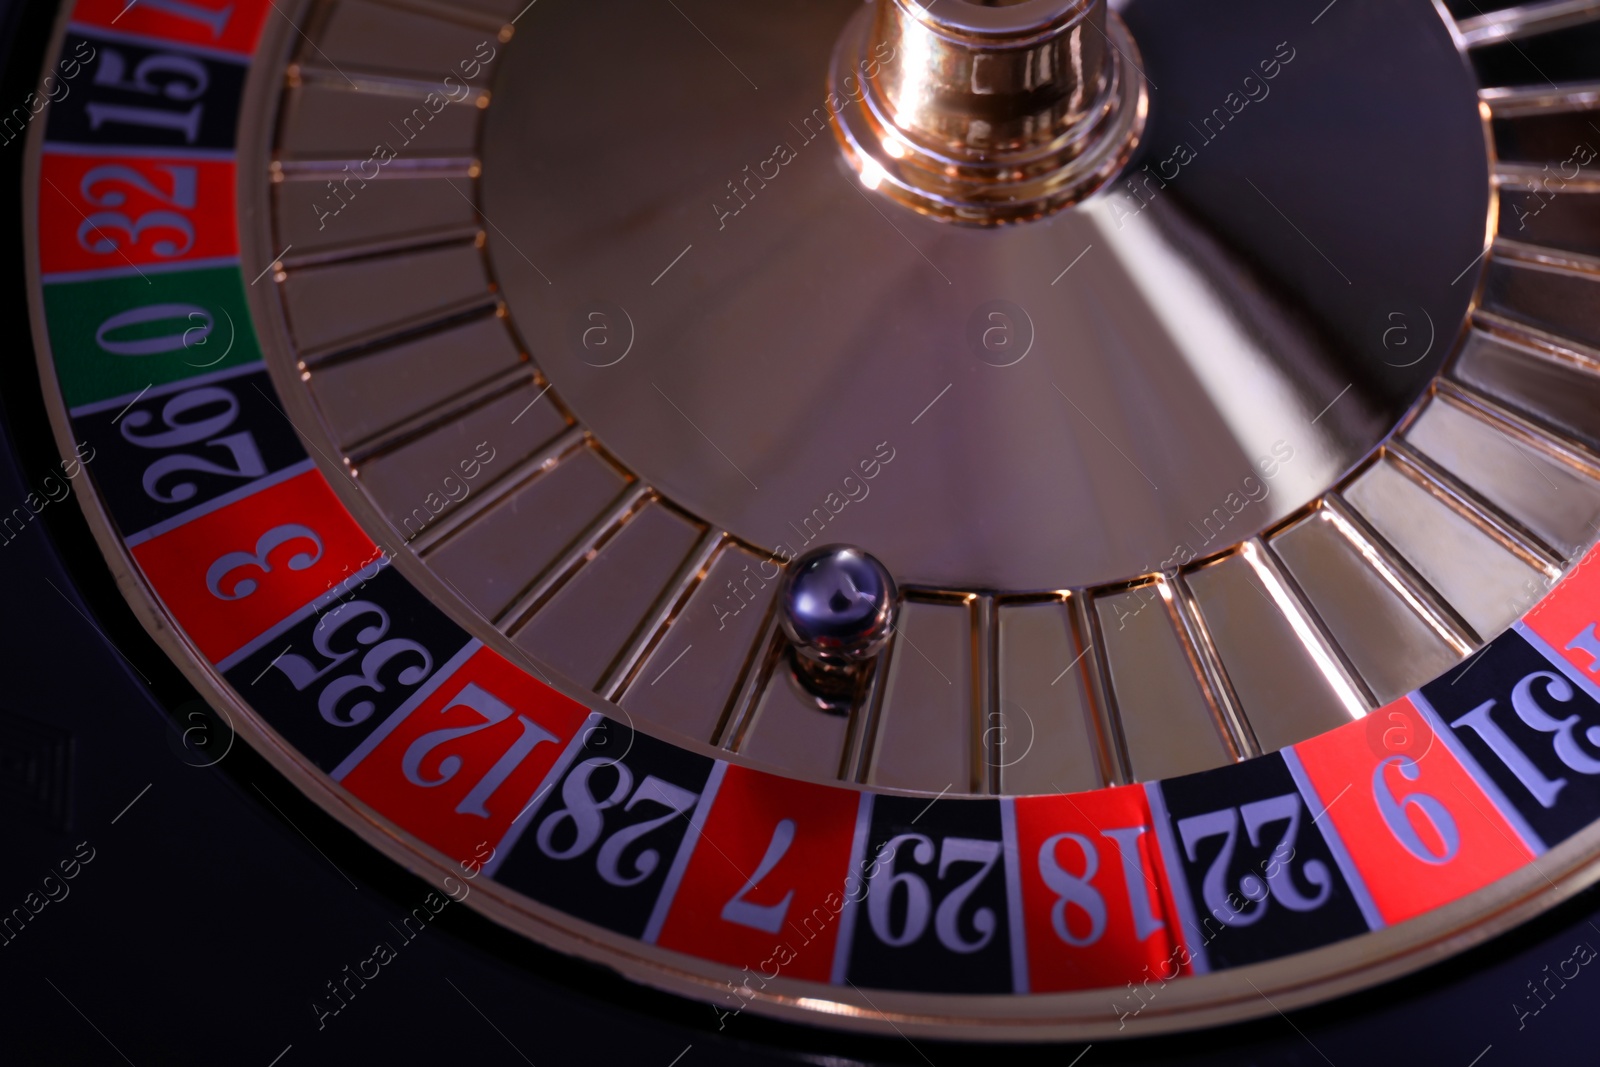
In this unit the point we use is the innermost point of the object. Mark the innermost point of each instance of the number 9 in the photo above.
(1393, 810)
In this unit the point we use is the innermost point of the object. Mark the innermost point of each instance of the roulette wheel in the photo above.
(884, 531)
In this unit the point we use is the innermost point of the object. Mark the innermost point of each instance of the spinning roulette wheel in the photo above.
(1019, 522)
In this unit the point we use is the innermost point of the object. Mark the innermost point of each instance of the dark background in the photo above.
(219, 903)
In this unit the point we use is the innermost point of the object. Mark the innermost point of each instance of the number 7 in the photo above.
(768, 918)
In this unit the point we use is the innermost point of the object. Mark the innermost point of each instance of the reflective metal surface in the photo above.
(1142, 380)
(837, 607)
(600, 572)
(1262, 279)
(838, 604)
(987, 114)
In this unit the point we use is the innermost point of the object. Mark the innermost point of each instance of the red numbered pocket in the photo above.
(1092, 894)
(228, 25)
(229, 575)
(1418, 828)
(460, 767)
(766, 885)
(98, 212)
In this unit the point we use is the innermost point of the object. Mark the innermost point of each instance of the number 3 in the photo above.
(273, 538)
(102, 221)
